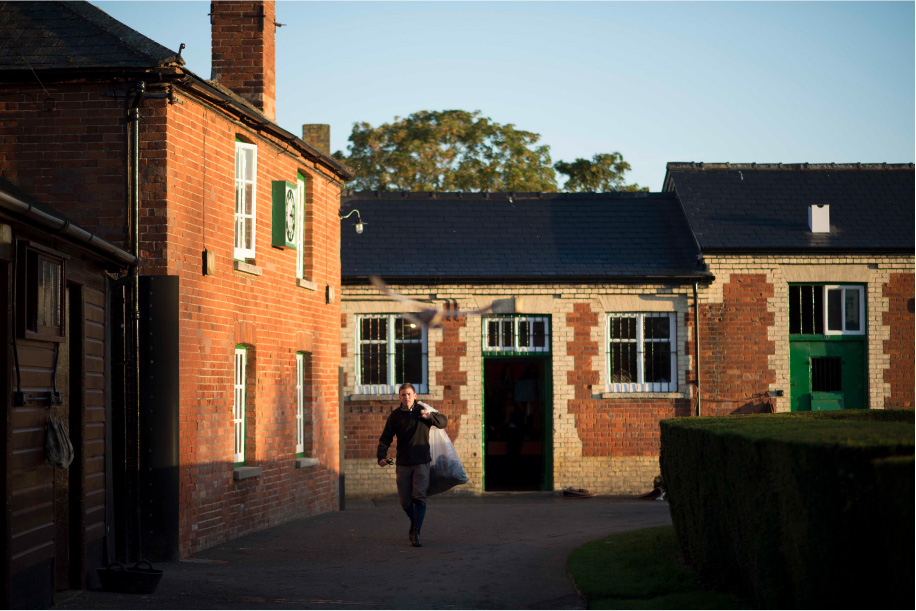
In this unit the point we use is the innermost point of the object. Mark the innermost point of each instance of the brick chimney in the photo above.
(244, 54)
(319, 136)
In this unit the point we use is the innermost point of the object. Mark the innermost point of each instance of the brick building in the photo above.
(559, 393)
(608, 289)
(55, 333)
(224, 416)
(812, 305)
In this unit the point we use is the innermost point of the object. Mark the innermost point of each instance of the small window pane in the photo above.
(656, 327)
(852, 314)
(623, 328)
(834, 310)
(623, 363)
(508, 340)
(373, 364)
(406, 330)
(658, 362)
(249, 199)
(373, 329)
(523, 335)
(539, 334)
(408, 367)
(493, 334)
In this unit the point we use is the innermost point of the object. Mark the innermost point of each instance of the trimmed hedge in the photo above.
(797, 510)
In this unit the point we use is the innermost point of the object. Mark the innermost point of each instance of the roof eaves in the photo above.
(689, 278)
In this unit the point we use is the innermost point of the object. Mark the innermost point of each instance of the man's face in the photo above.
(408, 396)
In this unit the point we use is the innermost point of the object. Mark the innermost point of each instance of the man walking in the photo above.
(410, 423)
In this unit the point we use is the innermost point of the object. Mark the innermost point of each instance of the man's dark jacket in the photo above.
(412, 432)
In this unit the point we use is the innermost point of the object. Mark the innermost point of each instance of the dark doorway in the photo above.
(68, 489)
(516, 424)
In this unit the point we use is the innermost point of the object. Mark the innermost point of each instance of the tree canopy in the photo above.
(604, 172)
(458, 150)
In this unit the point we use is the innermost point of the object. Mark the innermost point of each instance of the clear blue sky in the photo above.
(657, 81)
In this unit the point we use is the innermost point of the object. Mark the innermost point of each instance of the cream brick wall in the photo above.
(606, 475)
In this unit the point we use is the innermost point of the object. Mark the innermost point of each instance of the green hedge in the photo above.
(801, 510)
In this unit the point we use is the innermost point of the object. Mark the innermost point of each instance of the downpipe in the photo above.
(696, 342)
(133, 126)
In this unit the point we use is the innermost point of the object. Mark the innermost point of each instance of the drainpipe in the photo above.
(696, 342)
(133, 127)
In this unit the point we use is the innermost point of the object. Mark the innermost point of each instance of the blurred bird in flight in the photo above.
(432, 317)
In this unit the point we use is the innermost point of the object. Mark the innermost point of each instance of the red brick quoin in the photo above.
(899, 319)
(365, 420)
(611, 427)
(734, 349)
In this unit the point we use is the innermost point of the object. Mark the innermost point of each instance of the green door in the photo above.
(827, 375)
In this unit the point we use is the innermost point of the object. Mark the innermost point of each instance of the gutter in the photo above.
(204, 89)
(66, 229)
(704, 277)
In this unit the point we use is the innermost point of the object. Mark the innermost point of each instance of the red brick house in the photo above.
(225, 394)
(609, 291)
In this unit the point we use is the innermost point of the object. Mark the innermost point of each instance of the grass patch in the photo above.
(641, 569)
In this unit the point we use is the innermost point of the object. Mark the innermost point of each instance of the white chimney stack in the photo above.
(819, 218)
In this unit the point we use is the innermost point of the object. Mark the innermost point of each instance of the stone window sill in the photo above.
(306, 284)
(302, 463)
(396, 398)
(246, 472)
(642, 395)
(247, 268)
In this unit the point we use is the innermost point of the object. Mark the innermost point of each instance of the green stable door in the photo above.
(827, 375)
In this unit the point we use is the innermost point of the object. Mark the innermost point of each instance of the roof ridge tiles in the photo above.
(703, 165)
(502, 195)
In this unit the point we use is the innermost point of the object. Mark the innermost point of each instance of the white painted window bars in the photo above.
(390, 350)
(516, 334)
(642, 352)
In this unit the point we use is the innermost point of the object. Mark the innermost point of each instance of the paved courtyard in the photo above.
(498, 551)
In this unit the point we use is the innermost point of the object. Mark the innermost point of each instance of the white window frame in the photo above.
(238, 404)
(392, 386)
(843, 288)
(300, 403)
(641, 385)
(246, 174)
(514, 346)
(300, 229)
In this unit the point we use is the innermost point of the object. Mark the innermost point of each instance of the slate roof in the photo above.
(764, 207)
(500, 236)
(68, 35)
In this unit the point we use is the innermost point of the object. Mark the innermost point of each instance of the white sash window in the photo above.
(238, 403)
(246, 165)
(390, 350)
(642, 352)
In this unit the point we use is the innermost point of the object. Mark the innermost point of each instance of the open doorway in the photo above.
(516, 424)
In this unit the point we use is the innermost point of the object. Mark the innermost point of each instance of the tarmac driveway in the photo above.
(497, 551)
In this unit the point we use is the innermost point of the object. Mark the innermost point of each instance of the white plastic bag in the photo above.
(445, 469)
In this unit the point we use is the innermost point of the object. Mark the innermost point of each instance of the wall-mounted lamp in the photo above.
(359, 222)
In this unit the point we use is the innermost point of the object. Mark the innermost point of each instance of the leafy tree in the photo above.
(448, 150)
(603, 173)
